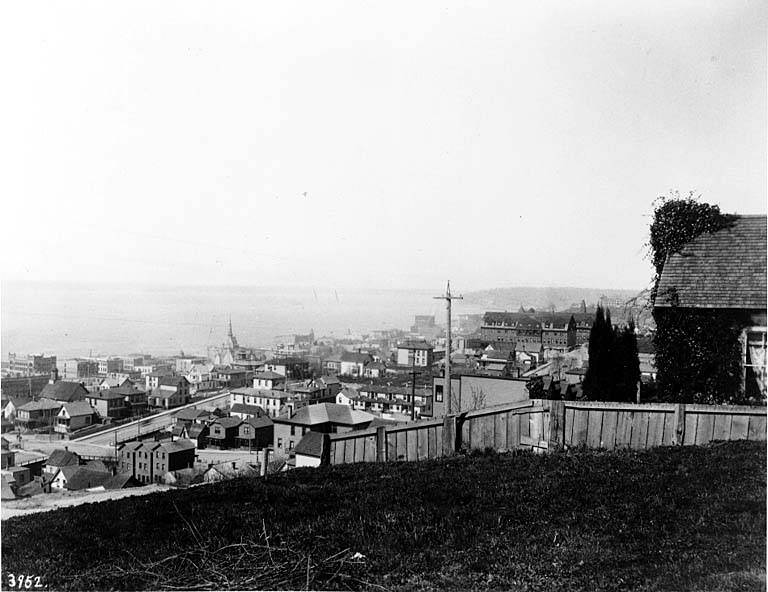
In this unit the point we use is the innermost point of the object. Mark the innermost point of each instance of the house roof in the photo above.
(62, 458)
(498, 354)
(310, 445)
(268, 375)
(228, 422)
(64, 391)
(327, 412)
(171, 381)
(177, 446)
(254, 410)
(106, 395)
(40, 405)
(189, 413)
(415, 345)
(128, 390)
(259, 422)
(78, 408)
(723, 269)
(120, 481)
(356, 358)
(96, 465)
(266, 393)
(84, 478)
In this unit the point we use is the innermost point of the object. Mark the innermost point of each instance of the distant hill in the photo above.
(544, 298)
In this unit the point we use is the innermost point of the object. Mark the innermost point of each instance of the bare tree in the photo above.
(477, 398)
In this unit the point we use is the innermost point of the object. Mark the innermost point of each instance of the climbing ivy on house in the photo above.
(698, 354)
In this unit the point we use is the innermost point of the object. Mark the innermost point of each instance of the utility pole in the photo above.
(447, 388)
(413, 387)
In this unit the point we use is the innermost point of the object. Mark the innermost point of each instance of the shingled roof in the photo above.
(64, 391)
(723, 269)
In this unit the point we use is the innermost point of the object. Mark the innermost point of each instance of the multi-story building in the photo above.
(289, 367)
(172, 391)
(73, 417)
(107, 365)
(37, 414)
(325, 418)
(135, 399)
(558, 331)
(108, 403)
(79, 368)
(268, 380)
(270, 401)
(415, 353)
(31, 365)
(230, 376)
(148, 461)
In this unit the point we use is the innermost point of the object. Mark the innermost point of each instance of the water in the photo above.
(76, 319)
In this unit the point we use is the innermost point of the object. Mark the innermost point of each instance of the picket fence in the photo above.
(543, 425)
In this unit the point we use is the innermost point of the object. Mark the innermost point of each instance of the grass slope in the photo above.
(665, 519)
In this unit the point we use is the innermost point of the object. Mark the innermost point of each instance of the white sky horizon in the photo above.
(173, 143)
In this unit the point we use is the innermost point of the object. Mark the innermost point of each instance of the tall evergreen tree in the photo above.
(614, 367)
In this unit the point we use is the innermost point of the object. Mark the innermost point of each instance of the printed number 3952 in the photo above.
(22, 581)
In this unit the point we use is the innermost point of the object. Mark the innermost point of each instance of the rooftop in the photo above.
(723, 269)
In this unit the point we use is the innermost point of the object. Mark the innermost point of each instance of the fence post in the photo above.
(325, 450)
(381, 444)
(264, 461)
(679, 436)
(556, 438)
(449, 435)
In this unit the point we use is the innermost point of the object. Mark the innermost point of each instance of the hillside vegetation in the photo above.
(668, 518)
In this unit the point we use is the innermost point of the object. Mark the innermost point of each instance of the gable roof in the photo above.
(327, 412)
(311, 445)
(190, 413)
(356, 358)
(78, 409)
(63, 458)
(85, 478)
(723, 269)
(40, 405)
(106, 394)
(260, 422)
(120, 481)
(228, 422)
(268, 375)
(253, 410)
(64, 391)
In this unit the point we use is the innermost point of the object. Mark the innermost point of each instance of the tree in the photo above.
(614, 365)
(697, 353)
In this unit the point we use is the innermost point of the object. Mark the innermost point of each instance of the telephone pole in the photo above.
(447, 388)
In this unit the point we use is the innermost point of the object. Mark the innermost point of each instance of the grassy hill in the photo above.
(669, 518)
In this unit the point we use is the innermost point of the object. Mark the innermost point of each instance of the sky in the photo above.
(387, 144)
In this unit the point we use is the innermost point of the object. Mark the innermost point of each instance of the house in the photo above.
(190, 415)
(271, 401)
(200, 377)
(497, 361)
(229, 470)
(172, 391)
(135, 398)
(121, 481)
(118, 380)
(375, 370)
(309, 451)
(354, 363)
(152, 379)
(325, 418)
(230, 377)
(290, 367)
(77, 478)
(60, 458)
(332, 364)
(7, 458)
(60, 478)
(64, 392)
(183, 477)
(311, 392)
(347, 396)
(74, 416)
(108, 403)
(37, 414)
(245, 411)
(415, 353)
(267, 380)
(255, 433)
(148, 461)
(718, 278)
(12, 404)
(223, 433)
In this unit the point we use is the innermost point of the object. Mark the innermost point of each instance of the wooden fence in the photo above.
(542, 425)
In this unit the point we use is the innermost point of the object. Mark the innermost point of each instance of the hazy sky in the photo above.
(492, 143)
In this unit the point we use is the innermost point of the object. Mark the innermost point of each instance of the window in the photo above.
(439, 393)
(754, 361)
(279, 442)
(293, 430)
(290, 445)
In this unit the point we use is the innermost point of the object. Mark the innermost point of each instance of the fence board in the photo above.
(691, 421)
(391, 446)
(757, 427)
(412, 444)
(669, 430)
(525, 425)
(500, 431)
(360, 444)
(488, 429)
(402, 450)
(580, 426)
(639, 430)
(513, 430)
(722, 429)
(432, 443)
(370, 449)
(439, 444)
(594, 427)
(655, 429)
(608, 429)
(704, 428)
(349, 450)
(568, 436)
(623, 429)
(338, 452)
(465, 434)
(740, 427)
(422, 443)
